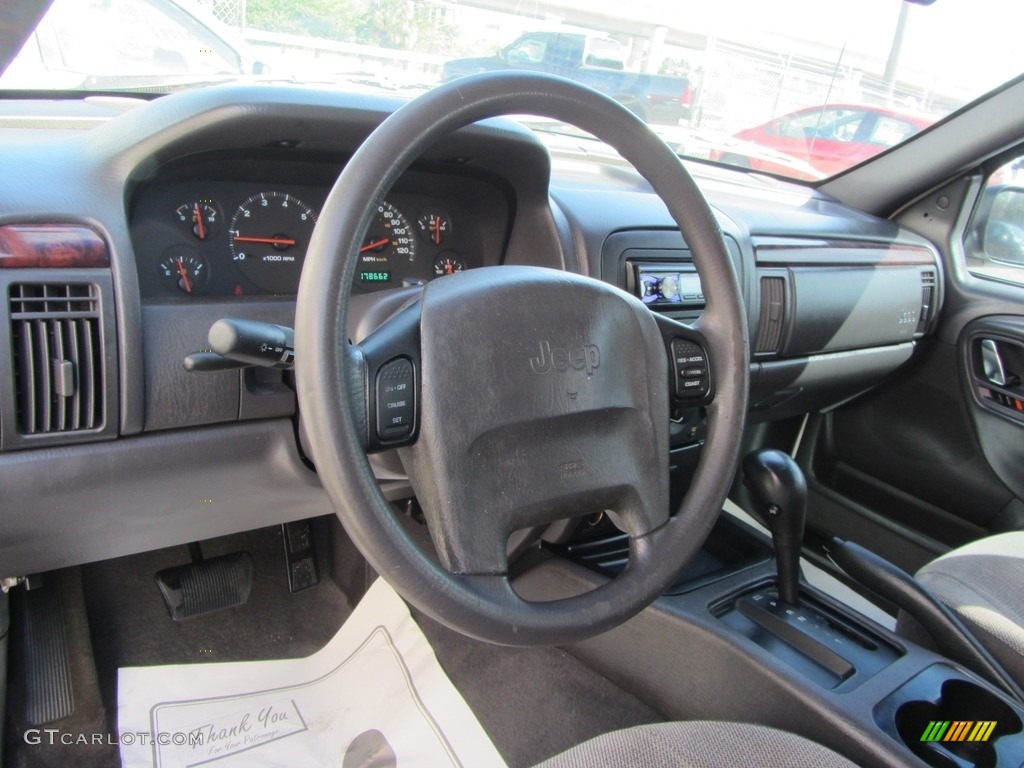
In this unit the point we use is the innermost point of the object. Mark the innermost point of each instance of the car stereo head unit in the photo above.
(666, 286)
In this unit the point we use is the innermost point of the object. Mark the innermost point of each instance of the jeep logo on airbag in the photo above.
(579, 356)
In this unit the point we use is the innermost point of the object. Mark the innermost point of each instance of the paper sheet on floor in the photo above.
(373, 697)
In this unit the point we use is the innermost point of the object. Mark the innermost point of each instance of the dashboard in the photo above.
(223, 227)
(135, 235)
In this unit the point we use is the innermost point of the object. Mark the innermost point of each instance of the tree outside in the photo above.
(411, 25)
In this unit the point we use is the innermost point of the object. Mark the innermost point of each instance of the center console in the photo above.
(745, 640)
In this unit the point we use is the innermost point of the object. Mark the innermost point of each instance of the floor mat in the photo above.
(533, 702)
(129, 620)
(375, 696)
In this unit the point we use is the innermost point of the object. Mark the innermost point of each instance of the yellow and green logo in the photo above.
(959, 730)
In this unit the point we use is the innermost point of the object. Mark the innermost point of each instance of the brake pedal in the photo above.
(206, 586)
(300, 555)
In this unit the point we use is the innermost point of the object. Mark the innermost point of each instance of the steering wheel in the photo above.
(552, 400)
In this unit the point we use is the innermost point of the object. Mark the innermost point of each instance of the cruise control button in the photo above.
(689, 369)
(396, 399)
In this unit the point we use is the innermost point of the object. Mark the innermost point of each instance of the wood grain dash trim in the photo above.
(51, 246)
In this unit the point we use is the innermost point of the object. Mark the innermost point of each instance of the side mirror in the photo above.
(1003, 227)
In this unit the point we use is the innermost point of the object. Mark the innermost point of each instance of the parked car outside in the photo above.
(591, 60)
(830, 138)
(146, 44)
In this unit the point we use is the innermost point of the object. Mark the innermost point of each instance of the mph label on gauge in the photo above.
(389, 242)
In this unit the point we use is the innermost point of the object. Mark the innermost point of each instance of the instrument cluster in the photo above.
(217, 238)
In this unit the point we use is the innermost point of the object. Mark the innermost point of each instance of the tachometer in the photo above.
(269, 235)
(389, 249)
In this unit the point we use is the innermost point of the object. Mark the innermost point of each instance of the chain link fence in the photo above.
(229, 12)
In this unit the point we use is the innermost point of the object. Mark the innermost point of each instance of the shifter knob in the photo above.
(780, 490)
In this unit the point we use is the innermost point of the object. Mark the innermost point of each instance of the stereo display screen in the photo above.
(663, 288)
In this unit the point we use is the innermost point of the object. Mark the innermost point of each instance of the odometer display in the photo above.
(269, 235)
(389, 247)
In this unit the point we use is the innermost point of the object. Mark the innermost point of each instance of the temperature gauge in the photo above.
(201, 218)
(434, 226)
(447, 264)
(182, 269)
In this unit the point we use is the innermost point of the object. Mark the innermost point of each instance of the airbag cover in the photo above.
(566, 413)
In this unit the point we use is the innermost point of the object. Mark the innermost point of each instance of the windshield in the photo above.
(800, 88)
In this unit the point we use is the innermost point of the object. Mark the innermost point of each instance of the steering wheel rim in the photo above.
(332, 389)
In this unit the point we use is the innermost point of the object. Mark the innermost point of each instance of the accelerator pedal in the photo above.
(206, 586)
(48, 692)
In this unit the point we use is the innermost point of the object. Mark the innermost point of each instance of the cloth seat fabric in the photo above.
(983, 583)
(699, 744)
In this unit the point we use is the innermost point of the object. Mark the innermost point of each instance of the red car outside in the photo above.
(830, 139)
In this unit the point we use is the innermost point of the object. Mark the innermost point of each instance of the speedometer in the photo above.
(388, 251)
(269, 235)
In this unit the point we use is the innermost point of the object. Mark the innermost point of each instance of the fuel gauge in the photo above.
(183, 269)
(201, 218)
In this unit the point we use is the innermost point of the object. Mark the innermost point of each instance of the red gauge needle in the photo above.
(200, 226)
(270, 240)
(184, 277)
(437, 231)
(375, 244)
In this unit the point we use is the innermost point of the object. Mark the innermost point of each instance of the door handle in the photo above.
(992, 363)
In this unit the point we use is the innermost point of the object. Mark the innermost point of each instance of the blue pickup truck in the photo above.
(594, 61)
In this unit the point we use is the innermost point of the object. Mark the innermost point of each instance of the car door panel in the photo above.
(992, 361)
(909, 451)
(938, 452)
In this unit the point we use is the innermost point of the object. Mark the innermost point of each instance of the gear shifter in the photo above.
(780, 490)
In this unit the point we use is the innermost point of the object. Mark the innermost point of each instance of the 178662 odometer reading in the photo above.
(388, 251)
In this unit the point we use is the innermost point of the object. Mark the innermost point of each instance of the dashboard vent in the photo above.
(927, 299)
(58, 357)
(773, 315)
